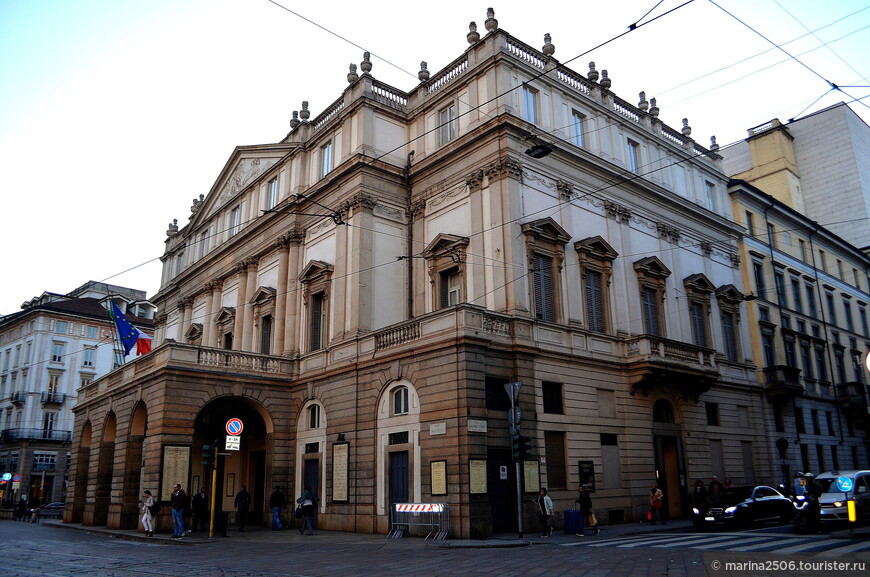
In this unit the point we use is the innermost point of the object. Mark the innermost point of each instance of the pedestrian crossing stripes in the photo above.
(820, 545)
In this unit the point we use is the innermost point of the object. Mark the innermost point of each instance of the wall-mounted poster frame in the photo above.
(587, 474)
(176, 469)
(531, 476)
(438, 470)
(231, 484)
(477, 476)
(340, 470)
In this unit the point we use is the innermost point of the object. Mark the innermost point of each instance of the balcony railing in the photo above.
(36, 435)
(655, 362)
(52, 398)
(782, 383)
(47, 467)
(238, 361)
(18, 397)
(853, 398)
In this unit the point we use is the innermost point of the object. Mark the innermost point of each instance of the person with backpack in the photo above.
(147, 516)
(308, 502)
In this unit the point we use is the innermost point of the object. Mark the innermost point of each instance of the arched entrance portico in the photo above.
(249, 466)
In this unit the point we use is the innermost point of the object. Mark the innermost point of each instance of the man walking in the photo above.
(200, 510)
(277, 503)
(242, 502)
(179, 504)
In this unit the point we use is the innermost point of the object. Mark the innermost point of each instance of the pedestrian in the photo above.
(199, 504)
(584, 505)
(188, 513)
(242, 502)
(728, 483)
(147, 518)
(699, 496)
(21, 509)
(715, 488)
(277, 503)
(308, 501)
(179, 505)
(545, 511)
(656, 503)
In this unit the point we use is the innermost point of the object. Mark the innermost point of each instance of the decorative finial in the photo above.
(352, 76)
(172, 230)
(197, 203)
(548, 48)
(472, 35)
(687, 130)
(294, 122)
(304, 114)
(643, 104)
(654, 110)
(714, 146)
(366, 64)
(593, 74)
(423, 75)
(491, 23)
(605, 80)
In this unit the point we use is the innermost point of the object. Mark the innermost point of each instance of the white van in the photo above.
(833, 501)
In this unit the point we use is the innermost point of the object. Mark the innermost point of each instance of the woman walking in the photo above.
(545, 511)
(308, 502)
(147, 503)
(656, 504)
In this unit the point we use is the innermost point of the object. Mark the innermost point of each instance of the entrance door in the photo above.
(399, 480)
(311, 478)
(668, 466)
(501, 482)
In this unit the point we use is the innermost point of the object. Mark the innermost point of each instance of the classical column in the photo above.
(241, 297)
(248, 316)
(281, 298)
(208, 319)
(185, 308)
(293, 296)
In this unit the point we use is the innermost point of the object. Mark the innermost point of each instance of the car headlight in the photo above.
(838, 503)
(730, 510)
(695, 511)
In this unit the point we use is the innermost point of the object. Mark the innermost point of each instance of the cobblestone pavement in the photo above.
(31, 550)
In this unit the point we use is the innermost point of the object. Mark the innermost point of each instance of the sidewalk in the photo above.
(291, 534)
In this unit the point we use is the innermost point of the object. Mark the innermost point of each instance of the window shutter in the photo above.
(650, 312)
(316, 328)
(594, 302)
(543, 283)
(443, 290)
(698, 324)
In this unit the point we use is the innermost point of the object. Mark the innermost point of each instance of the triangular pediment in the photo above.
(652, 266)
(546, 229)
(315, 269)
(194, 332)
(596, 247)
(225, 314)
(698, 282)
(263, 294)
(729, 293)
(445, 244)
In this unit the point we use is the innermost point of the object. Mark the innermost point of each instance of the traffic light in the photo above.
(525, 446)
(208, 455)
(515, 443)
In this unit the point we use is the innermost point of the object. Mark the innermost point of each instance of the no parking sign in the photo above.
(234, 427)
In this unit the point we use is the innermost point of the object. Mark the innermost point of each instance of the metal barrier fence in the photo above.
(433, 516)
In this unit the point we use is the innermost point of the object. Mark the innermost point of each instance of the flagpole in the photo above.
(116, 342)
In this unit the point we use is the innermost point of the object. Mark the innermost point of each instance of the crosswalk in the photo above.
(819, 545)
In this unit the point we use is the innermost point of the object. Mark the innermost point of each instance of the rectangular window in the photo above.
(840, 362)
(272, 194)
(796, 295)
(450, 286)
(633, 154)
(862, 316)
(119, 359)
(847, 312)
(729, 334)
(771, 234)
(447, 124)
(856, 277)
(767, 348)
(578, 128)
(235, 220)
(318, 311)
(814, 420)
(594, 302)
(266, 334)
(650, 306)
(57, 352)
(811, 300)
(552, 394)
(832, 310)
(799, 420)
(530, 104)
(61, 327)
(325, 159)
(496, 397)
(822, 264)
(790, 358)
(611, 468)
(711, 195)
(779, 282)
(545, 307)
(203, 244)
(758, 271)
(699, 331)
(712, 414)
(179, 263)
(806, 360)
(750, 223)
(90, 353)
(554, 445)
(829, 420)
(840, 270)
(803, 249)
(92, 332)
(820, 457)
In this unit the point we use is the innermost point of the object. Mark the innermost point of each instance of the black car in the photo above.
(744, 506)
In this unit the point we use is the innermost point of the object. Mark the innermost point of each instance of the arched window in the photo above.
(400, 401)
(314, 417)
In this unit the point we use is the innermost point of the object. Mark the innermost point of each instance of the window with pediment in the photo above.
(545, 246)
(729, 299)
(446, 261)
(263, 303)
(225, 320)
(652, 275)
(698, 290)
(596, 258)
(315, 281)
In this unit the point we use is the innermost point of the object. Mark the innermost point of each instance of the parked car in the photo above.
(833, 501)
(743, 506)
(51, 510)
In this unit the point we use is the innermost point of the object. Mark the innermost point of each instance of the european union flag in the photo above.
(126, 331)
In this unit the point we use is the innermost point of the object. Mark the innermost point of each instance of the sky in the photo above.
(115, 115)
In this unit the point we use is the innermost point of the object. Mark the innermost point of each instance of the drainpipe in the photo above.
(406, 173)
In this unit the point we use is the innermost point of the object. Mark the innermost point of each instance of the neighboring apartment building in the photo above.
(818, 164)
(360, 293)
(52, 347)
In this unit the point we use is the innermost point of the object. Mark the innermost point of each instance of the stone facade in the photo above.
(360, 293)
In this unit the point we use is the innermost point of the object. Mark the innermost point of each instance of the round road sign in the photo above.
(234, 427)
(844, 484)
(7, 476)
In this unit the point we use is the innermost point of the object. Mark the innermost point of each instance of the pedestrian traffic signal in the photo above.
(208, 455)
(525, 446)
